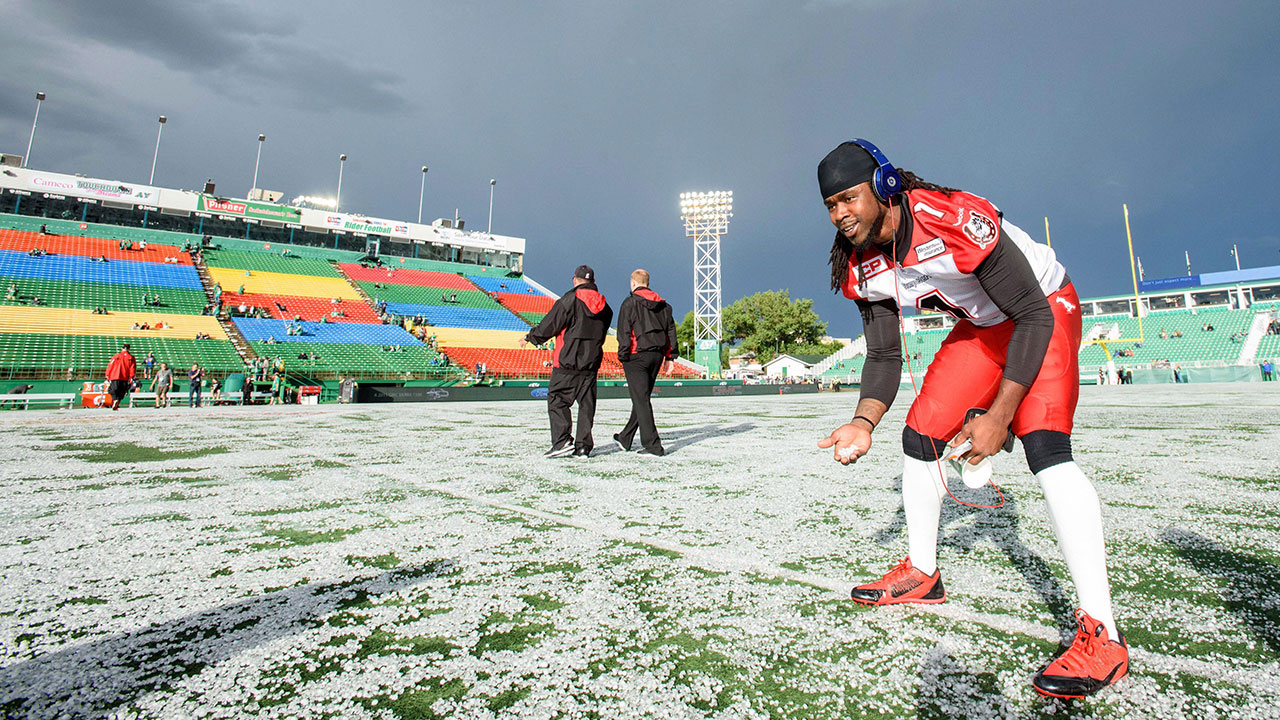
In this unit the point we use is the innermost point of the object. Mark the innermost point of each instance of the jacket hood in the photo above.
(649, 298)
(588, 295)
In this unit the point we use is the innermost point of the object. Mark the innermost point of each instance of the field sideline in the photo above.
(424, 560)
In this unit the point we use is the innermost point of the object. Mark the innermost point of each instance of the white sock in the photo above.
(922, 493)
(1077, 519)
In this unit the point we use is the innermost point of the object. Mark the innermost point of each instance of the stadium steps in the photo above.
(355, 286)
(857, 347)
(242, 346)
(1257, 331)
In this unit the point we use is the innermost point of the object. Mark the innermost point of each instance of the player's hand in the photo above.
(987, 433)
(851, 441)
(666, 367)
(523, 343)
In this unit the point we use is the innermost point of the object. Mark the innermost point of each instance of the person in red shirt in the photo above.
(120, 374)
(1008, 366)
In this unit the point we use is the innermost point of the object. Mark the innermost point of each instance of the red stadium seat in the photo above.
(23, 241)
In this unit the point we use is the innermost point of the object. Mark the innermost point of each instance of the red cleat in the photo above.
(902, 584)
(1091, 663)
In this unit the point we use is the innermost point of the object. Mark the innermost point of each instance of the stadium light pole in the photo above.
(261, 138)
(151, 180)
(337, 200)
(26, 159)
(422, 192)
(706, 219)
(492, 182)
(1235, 253)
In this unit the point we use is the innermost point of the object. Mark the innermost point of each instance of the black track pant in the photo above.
(642, 370)
(566, 388)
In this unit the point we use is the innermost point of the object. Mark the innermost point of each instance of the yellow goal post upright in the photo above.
(1137, 301)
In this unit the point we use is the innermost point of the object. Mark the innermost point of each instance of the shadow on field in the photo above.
(1249, 586)
(91, 679)
(949, 690)
(1000, 527)
(685, 437)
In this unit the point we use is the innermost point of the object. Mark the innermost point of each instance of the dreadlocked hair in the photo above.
(911, 181)
(842, 248)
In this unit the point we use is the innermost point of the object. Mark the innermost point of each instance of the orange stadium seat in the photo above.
(23, 241)
(422, 278)
(526, 303)
(310, 308)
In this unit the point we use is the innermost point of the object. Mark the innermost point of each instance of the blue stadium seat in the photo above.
(259, 330)
(81, 269)
(460, 317)
(502, 284)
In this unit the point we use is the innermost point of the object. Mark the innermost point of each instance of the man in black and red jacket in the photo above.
(579, 322)
(646, 345)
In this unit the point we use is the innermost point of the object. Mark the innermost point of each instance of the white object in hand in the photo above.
(973, 476)
(847, 451)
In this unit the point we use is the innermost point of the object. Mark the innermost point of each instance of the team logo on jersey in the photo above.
(930, 249)
(1066, 304)
(980, 229)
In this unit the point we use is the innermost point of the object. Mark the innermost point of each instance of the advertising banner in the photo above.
(248, 209)
(115, 190)
(1169, 283)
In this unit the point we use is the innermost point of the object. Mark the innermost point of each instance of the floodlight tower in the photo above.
(706, 219)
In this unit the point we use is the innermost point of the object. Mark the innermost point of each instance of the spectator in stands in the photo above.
(37, 301)
(44, 229)
(241, 292)
(146, 326)
(646, 347)
(162, 383)
(195, 386)
(579, 321)
(148, 364)
(1177, 333)
(144, 300)
(121, 372)
(155, 300)
(1163, 335)
(12, 293)
(136, 326)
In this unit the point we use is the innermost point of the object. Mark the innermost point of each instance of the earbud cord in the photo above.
(902, 334)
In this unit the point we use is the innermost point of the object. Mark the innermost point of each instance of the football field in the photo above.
(424, 561)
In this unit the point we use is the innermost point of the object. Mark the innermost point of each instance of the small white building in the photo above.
(791, 366)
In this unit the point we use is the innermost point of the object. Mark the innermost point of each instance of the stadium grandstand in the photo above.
(192, 277)
(1212, 328)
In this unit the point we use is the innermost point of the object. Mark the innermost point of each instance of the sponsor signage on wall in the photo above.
(92, 187)
(248, 209)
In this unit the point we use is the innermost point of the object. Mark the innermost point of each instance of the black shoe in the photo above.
(559, 451)
(659, 452)
(581, 454)
(618, 442)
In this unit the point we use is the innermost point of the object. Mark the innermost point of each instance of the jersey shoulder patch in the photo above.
(969, 225)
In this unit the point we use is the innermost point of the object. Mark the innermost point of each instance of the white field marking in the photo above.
(1264, 678)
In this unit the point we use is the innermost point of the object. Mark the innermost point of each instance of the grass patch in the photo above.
(127, 452)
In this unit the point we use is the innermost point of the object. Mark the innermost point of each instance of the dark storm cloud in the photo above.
(594, 116)
(242, 50)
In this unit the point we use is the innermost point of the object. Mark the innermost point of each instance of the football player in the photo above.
(902, 242)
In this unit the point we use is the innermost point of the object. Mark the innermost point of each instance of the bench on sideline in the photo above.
(62, 399)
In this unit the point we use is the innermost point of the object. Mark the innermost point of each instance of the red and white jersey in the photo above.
(951, 236)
